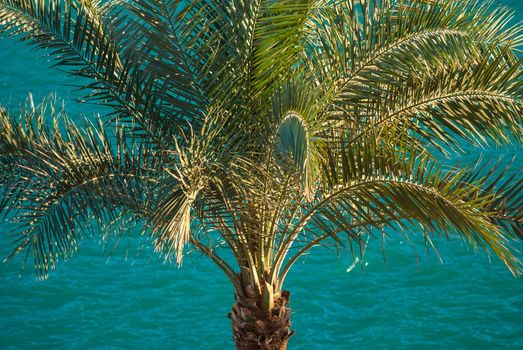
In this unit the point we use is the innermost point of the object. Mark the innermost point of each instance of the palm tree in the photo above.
(252, 131)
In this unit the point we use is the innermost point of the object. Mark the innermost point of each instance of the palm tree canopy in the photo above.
(263, 128)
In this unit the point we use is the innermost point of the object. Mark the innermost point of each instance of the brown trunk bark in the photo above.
(255, 329)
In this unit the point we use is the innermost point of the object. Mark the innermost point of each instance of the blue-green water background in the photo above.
(95, 302)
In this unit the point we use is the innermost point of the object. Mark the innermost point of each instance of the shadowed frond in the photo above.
(178, 68)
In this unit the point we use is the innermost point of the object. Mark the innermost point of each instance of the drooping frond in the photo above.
(60, 178)
(212, 162)
(503, 181)
(375, 188)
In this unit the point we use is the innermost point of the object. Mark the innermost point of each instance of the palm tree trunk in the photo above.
(255, 329)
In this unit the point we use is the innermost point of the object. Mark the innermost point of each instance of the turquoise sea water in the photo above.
(136, 303)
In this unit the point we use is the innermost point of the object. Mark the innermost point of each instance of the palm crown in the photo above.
(255, 130)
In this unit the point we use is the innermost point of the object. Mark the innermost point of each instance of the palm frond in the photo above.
(178, 67)
(299, 136)
(358, 63)
(502, 180)
(72, 30)
(57, 183)
(480, 103)
(212, 160)
(78, 40)
(416, 195)
(282, 26)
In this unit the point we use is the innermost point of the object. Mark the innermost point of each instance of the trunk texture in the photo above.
(255, 329)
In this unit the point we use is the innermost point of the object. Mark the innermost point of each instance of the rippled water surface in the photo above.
(95, 302)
